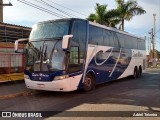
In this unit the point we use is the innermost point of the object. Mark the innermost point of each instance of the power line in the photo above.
(41, 8)
(66, 8)
(69, 14)
(45, 3)
(37, 7)
(45, 10)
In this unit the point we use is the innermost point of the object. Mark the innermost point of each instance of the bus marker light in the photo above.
(26, 77)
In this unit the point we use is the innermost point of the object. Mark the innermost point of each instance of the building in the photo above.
(11, 64)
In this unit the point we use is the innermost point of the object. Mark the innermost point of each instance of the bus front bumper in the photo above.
(68, 84)
(59, 85)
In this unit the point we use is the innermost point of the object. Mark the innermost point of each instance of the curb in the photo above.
(25, 93)
(11, 82)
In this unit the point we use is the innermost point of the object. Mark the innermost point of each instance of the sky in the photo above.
(25, 15)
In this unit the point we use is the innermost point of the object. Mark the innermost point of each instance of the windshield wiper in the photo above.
(41, 58)
(47, 61)
(45, 53)
(53, 50)
(37, 62)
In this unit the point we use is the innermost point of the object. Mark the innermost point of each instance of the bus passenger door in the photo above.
(77, 52)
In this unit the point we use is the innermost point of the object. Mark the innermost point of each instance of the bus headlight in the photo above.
(28, 68)
(61, 77)
(26, 77)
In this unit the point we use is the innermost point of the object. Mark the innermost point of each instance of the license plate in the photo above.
(41, 85)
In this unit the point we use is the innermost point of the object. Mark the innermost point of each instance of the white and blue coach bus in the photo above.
(71, 54)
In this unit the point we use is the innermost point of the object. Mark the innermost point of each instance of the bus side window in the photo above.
(115, 40)
(106, 38)
(95, 35)
(74, 60)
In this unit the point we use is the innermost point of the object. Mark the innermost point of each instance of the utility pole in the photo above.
(148, 59)
(154, 35)
(152, 41)
(151, 48)
(1, 9)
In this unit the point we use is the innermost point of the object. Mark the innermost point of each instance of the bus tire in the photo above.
(140, 71)
(89, 83)
(135, 73)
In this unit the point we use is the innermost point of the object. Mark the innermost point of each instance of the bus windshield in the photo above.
(46, 55)
(44, 50)
(49, 30)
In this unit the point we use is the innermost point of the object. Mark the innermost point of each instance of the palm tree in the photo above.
(99, 15)
(127, 10)
(103, 16)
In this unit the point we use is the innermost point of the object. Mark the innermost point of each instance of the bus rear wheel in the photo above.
(135, 74)
(140, 71)
(89, 83)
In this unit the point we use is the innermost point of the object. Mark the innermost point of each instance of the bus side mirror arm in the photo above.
(65, 41)
(17, 43)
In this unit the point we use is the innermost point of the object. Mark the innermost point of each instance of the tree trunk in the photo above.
(123, 24)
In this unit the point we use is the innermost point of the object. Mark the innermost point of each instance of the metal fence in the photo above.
(11, 63)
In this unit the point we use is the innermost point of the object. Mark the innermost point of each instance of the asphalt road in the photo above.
(142, 94)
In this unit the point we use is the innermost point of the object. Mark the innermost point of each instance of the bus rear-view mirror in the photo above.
(20, 45)
(65, 41)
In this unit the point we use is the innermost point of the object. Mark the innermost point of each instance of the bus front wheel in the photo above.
(135, 74)
(89, 82)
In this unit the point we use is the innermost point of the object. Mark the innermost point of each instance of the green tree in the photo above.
(127, 10)
(102, 16)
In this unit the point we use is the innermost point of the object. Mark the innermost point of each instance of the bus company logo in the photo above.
(35, 75)
(39, 75)
(43, 75)
(138, 54)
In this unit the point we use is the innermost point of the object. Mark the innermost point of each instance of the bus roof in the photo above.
(65, 19)
(97, 25)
